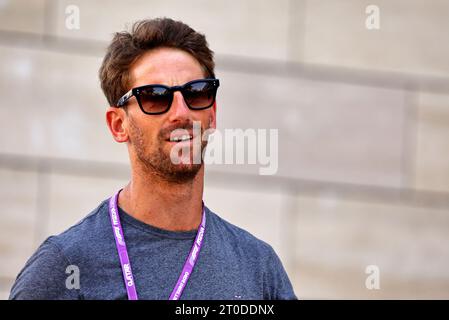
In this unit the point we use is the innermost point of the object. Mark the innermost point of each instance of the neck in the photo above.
(163, 204)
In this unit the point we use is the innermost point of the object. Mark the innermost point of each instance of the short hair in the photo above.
(127, 47)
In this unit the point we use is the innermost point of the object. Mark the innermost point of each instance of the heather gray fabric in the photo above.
(232, 264)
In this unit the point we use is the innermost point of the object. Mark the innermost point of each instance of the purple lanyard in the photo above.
(124, 258)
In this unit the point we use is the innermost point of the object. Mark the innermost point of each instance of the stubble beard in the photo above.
(158, 161)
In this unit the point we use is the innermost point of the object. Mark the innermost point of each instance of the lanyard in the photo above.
(128, 277)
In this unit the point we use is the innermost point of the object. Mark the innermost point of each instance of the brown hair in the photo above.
(127, 47)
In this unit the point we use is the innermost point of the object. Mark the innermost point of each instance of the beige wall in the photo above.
(363, 120)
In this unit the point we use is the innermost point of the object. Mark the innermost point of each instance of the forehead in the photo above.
(166, 66)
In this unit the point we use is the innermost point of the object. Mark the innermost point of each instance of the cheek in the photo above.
(143, 132)
(205, 117)
(209, 120)
(151, 136)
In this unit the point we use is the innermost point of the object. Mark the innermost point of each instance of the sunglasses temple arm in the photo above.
(121, 102)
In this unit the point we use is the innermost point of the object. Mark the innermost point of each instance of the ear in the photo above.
(116, 120)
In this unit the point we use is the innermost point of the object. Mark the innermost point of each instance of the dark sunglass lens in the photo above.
(155, 99)
(200, 94)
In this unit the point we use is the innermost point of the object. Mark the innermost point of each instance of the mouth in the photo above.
(180, 138)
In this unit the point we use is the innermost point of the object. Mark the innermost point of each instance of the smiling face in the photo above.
(148, 136)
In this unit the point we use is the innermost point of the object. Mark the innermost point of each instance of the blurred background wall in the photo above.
(363, 120)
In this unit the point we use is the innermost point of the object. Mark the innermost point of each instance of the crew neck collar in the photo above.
(127, 218)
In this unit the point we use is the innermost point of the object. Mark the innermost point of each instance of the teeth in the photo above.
(181, 138)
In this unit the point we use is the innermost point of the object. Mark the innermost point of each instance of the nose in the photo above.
(179, 109)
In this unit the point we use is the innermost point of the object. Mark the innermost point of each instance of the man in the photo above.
(155, 239)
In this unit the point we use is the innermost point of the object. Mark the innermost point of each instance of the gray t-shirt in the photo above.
(232, 263)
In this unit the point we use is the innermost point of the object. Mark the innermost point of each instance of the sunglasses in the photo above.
(157, 98)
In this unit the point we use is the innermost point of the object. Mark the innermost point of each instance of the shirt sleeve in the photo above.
(44, 276)
(277, 285)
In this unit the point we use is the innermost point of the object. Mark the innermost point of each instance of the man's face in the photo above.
(149, 135)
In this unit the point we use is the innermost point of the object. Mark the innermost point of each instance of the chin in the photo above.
(182, 172)
(161, 164)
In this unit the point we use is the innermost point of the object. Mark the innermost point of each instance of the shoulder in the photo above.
(86, 233)
(241, 239)
(44, 274)
(256, 255)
